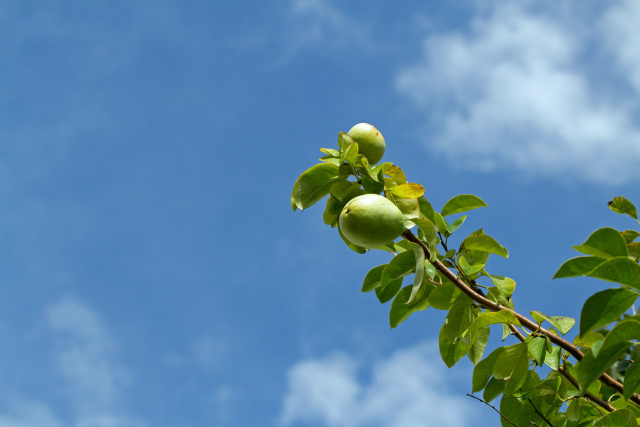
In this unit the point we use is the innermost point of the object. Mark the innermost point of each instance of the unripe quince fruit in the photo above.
(371, 220)
(370, 141)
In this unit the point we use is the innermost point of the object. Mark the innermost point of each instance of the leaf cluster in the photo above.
(590, 381)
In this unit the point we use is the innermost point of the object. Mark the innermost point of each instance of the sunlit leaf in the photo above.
(561, 323)
(407, 191)
(462, 203)
(623, 206)
(457, 223)
(419, 270)
(484, 243)
(443, 296)
(331, 152)
(604, 307)
(387, 293)
(604, 243)
(621, 270)
(344, 140)
(630, 235)
(577, 266)
(401, 265)
(477, 348)
(350, 154)
(484, 370)
(396, 174)
(492, 318)
(401, 308)
(373, 278)
(512, 366)
(506, 284)
(494, 389)
(537, 349)
(620, 418)
(451, 350)
(312, 185)
(426, 210)
(597, 361)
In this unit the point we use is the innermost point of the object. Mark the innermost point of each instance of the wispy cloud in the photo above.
(318, 24)
(85, 368)
(512, 91)
(85, 357)
(405, 390)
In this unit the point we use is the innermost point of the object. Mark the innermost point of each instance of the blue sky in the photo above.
(152, 271)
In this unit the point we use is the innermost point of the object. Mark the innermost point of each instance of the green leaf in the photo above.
(443, 296)
(492, 318)
(579, 266)
(484, 370)
(604, 243)
(419, 270)
(621, 270)
(486, 244)
(396, 174)
(426, 209)
(604, 307)
(620, 418)
(388, 292)
(371, 186)
(331, 152)
(632, 380)
(457, 223)
(401, 265)
(429, 232)
(344, 140)
(597, 361)
(477, 348)
(373, 278)
(538, 349)
(573, 410)
(624, 331)
(512, 366)
(472, 261)
(312, 185)
(407, 191)
(401, 308)
(451, 350)
(493, 389)
(505, 284)
(561, 323)
(462, 203)
(460, 316)
(442, 224)
(409, 207)
(332, 210)
(552, 360)
(630, 235)
(350, 154)
(623, 206)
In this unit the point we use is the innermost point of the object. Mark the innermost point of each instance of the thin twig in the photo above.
(539, 413)
(494, 408)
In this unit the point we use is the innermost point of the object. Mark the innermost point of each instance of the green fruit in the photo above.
(370, 141)
(371, 220)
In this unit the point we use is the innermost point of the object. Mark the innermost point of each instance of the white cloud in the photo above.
(85, 356)
(86, 370)
(319, 24)
(408, 389)
(511, 91)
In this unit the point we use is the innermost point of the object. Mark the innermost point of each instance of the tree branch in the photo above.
(524, 321)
